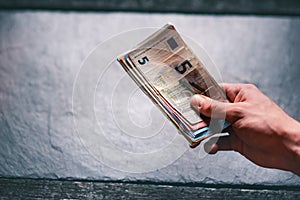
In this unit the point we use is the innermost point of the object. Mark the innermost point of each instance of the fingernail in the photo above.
(196, 101)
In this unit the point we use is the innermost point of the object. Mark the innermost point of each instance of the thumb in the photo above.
(214, 109)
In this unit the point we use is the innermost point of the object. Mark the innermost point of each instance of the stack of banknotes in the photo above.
(169, 73)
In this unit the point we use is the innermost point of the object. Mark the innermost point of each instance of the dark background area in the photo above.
(252, 7)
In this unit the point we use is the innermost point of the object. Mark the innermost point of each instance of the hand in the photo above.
(260, 130)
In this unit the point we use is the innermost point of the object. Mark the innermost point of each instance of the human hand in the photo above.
(260, 130)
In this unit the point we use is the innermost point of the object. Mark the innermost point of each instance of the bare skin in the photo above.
(260, 130)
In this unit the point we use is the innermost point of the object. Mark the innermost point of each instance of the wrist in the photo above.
(291, 140)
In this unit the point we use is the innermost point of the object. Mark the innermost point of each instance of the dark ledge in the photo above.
(253, 7)
(63, 189)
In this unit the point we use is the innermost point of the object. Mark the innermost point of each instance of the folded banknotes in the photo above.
(169, 73)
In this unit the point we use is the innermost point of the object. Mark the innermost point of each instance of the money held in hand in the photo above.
(169, 73)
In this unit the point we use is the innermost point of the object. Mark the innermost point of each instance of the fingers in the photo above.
(223, 144)
(231, 90)
(215, 109)
(233, 143)
(207, 106)
(240, 92)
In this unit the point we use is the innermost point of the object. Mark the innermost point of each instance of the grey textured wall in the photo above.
(41, 53)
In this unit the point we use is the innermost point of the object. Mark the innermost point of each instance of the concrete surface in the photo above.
(41, 53)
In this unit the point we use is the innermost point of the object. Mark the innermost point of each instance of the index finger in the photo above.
(231, 89)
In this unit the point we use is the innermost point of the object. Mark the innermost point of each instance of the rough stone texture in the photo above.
(41, 53)
(56, 189)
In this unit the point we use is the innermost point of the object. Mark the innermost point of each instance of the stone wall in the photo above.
(41, 53)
